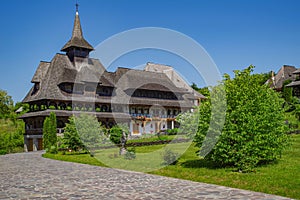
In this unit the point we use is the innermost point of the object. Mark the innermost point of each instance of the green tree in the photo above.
(117, 131)
(205, 91)
(90, 131)
(83, 132)
(50, 132)
(254, 131)
(6, 104)
(287, 92)
(71, 137)
(11, 136)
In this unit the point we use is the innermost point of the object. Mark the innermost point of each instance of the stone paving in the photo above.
(29, 176)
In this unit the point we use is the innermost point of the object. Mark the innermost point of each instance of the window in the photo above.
(36, 88)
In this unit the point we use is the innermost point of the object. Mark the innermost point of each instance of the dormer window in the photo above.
(36, 88)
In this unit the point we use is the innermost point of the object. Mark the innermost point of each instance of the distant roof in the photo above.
(285, 73)
(294, 83)
(19, 110)
(297, 71)
(77, 39)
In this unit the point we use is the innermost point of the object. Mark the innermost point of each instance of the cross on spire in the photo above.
(77, 5)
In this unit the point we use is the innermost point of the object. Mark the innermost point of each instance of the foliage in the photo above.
(297, 111)
(173, 131)
(25, 107)
(262, 78)
(188, 122)
(83, 132)
(53, 150)
(116, 133)
(287, 92)
(254, 129)
(49, 132)
(130, 154)
(11, 136)
(169, 157)
(90, 131)
(71, 138)
(205, 91)
(6, 105)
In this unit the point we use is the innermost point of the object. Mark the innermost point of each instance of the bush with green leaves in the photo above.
(130, 154)
(83, 132)
(254, 132)
(50, 132)
(6, 105)
(11, 136)
(116, 133)
(90, 131)
(71, 138)
(173, 131)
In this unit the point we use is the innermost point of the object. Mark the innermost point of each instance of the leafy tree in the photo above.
(90, 131)
(117, 131)
(71, 137)
(194, 86)
(6, 105)
(83, 132)
(11, 136)
(49, 132)
(262, 77)
(188, 122)
(287, 92)
(205, 91)
(254, 129)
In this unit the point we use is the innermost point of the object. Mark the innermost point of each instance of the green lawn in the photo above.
(282, 178)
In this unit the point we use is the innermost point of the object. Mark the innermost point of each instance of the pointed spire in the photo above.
(77, 39)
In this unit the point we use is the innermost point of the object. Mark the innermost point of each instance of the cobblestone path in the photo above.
(29, 176)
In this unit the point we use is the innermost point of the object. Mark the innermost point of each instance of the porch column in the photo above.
(35, 144)
(172, 124)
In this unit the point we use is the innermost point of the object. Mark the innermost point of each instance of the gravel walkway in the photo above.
(29, 176)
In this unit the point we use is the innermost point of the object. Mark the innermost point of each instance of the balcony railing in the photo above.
(135, 115)
(38, 131)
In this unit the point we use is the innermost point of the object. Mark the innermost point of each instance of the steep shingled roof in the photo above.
(285, 73)
(40, 72)
(62, 70)
(77, 39)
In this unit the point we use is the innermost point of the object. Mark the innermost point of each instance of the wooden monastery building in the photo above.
(147, 100)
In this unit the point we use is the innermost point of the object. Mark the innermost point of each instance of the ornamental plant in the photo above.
(116, 133)
(49, 132)
(254, 131)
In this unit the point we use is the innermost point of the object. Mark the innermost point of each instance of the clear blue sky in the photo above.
(236, 33)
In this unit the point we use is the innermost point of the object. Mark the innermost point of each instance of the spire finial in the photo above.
(77, 5)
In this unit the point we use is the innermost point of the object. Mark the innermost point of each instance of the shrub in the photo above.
(49, 131)
(172, 131)
(169, 157)
(53, 150)
(71, 138)
(130, 154)
(116, 133)
(3, 151)
(254, 132)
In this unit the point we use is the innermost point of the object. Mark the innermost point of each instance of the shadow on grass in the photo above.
(199, 163)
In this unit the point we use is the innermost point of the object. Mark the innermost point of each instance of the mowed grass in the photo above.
(280, 178)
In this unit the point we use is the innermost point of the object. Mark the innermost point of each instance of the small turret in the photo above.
(77, 46)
